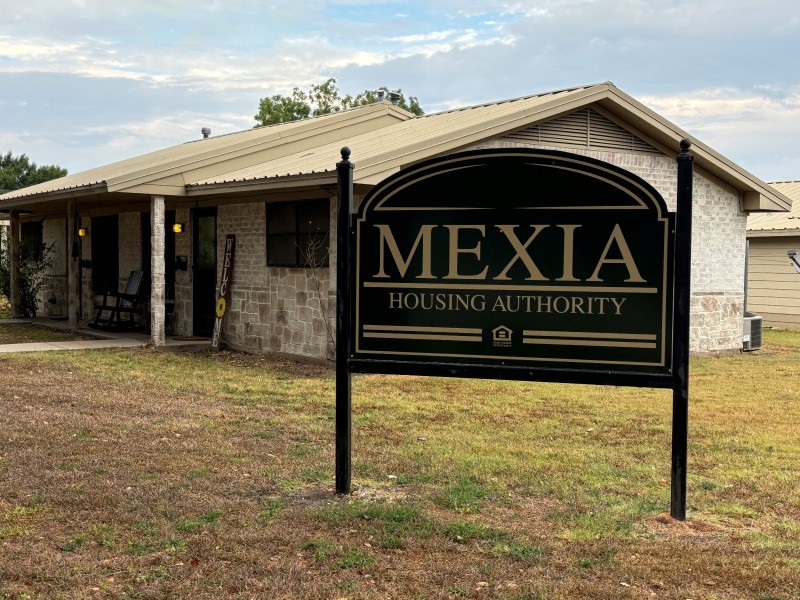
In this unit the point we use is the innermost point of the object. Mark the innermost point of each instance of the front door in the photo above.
(204, 270)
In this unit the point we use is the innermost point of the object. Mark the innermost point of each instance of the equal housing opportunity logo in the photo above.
(501, 337)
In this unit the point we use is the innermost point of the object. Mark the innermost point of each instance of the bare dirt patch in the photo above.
(666, 527)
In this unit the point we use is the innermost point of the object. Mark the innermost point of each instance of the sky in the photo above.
(84, 83)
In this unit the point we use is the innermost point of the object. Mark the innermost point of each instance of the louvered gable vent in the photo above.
(584, 128)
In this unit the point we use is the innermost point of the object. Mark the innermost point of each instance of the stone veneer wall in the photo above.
(130, 246)
(718, 244)
(272, 309)
(54, 231)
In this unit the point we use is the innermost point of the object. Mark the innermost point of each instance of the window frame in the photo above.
(301, 211)
(31, 240)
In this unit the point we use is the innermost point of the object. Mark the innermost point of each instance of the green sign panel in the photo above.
(526, 258)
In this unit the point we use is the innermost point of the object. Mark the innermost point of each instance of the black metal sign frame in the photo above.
(413, 257)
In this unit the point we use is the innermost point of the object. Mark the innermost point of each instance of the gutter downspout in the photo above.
(746, 272)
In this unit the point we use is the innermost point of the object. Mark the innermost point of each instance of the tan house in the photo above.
(773, 283)
(275, 189)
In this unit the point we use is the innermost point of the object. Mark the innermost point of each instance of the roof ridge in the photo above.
(517, 99)
(271, 125)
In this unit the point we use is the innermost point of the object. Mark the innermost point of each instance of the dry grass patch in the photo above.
(139, 474)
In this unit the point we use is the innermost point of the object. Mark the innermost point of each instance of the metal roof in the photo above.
(383, 139)
(380, 152)
(377, 154)
(781, 223)
(126, 174)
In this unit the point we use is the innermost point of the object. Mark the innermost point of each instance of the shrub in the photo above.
(33, 266)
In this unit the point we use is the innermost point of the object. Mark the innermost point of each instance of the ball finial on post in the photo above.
(685, 145)
(345, 153)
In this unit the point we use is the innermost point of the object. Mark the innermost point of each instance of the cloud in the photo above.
(70, 66)
(724, 104)
(755, 128)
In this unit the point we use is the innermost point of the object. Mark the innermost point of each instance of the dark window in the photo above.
(31, 242)
(105, 254)
(298, 233)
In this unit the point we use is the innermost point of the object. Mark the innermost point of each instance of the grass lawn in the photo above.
(142, 474)
(23, 333)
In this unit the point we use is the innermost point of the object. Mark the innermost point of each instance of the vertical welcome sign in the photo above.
(512, 264)
(224, 289)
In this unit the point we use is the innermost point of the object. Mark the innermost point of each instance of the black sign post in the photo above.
(524, 264)
(680, 358)
(343, 381)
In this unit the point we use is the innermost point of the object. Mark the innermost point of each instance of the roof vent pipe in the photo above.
(206, 131)
(394, 97)
(381, 95)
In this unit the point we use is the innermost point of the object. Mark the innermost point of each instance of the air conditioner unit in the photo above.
(751, 338)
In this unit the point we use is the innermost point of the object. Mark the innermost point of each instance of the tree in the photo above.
(18, 172)
(322, 99)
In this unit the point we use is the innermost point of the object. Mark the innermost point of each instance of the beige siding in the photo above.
(773, 285)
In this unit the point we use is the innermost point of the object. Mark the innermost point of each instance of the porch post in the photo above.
(73, 285)
(14, 265)
(158, 272)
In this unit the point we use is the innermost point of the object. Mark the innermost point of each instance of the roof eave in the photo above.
(764, 233)
(48, 196)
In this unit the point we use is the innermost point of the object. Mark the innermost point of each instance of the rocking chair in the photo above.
(118, 309)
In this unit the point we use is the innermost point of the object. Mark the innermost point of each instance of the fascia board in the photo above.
(153, 189)
(65, 194)
(765, 233)
(270, 184)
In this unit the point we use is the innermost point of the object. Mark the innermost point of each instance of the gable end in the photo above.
(585, 128)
